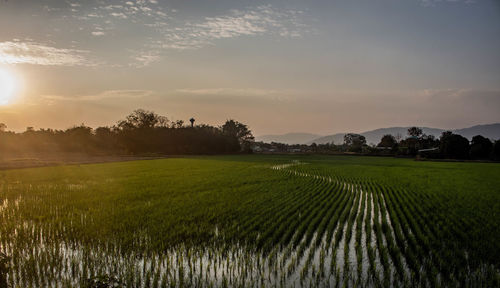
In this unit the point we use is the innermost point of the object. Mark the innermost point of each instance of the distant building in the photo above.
(256, 148)
(427, 152)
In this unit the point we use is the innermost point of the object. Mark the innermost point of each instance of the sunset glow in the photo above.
(8, 85)
(237, 143)
(320, 67)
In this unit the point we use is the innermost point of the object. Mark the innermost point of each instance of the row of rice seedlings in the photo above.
(440, 246)
(383, 253)
(446, 261)
(417, 242)
(275, 231)
(336, 227)
(406, 243)
(339, 246)
(358, 237)
(424, 237)
(371, 244)
(451, 235)
(394, 250)
(349, 251)
(292, 227)
(288, 206)
(335, 197)
(313, 235)
(311, 254)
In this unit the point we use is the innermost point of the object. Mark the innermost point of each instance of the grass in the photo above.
(232, 220)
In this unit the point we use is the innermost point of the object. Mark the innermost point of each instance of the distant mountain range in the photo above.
(491, 131)
(289, 138)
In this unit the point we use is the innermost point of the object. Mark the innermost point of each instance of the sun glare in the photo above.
(7, 86)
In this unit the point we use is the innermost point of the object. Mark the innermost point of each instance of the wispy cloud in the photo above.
(139, 11)
(28, 52)
(108, 94)
(156, 30)
(484, 97)
(144, 58)
(230, 91)
(98, 33)
(258, 21)
(238, 94)
(432, 3)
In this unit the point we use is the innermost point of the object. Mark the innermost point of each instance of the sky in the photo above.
(318, 66)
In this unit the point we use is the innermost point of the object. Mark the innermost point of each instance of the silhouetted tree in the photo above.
(78, 139)
(314, 147)
(142, 119)
(354, 142)
(388, 141)
(178, 124)
(415, 132)
(239, 132)
(454, 146)
(398, 137)
(496, 150)
(192, 122)
(141, 132)
(481, 147)
(428, 141)
(106, 139)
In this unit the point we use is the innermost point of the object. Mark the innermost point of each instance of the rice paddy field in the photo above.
(252, 221)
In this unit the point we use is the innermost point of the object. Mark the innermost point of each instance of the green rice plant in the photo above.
(197, 220)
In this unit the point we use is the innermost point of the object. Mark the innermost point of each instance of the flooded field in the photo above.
(244, 221)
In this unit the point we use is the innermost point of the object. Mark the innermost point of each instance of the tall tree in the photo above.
(496, 150)
(415, 132)
(141, 118)
(239, 132)
(454, 146)
(481, 147)
(388, 141)
(354, 142)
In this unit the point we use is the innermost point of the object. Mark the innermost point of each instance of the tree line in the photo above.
(142, 132)
(447, 146)
(416, 144)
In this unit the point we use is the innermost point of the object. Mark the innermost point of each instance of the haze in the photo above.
(277, 66)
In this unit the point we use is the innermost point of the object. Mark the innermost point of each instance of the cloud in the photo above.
(119, 15)
(145, 58)
(262, 20)
(156, 29)
(232, 91)
(432, 3)
(18, 52)
(465, 97)
(239, 96)
(98, 33)
(109, 94)
(136, 11)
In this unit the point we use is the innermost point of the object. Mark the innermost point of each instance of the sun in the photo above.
(7, 86)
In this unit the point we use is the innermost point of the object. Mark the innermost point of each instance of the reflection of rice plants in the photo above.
(4, 269)
(103, 281)
(233, 222)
